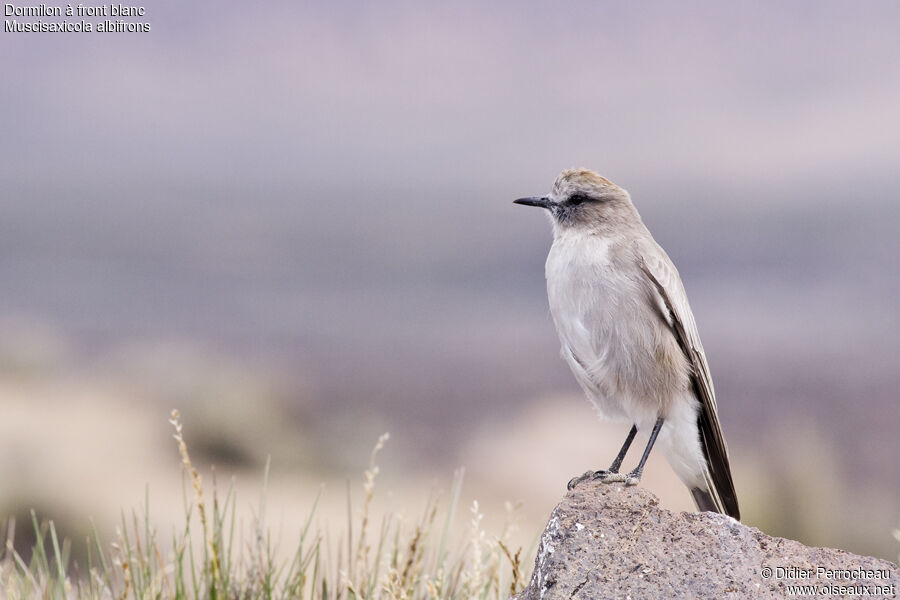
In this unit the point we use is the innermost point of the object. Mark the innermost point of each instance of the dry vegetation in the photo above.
(212, 557)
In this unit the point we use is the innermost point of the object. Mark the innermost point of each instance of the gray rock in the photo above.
(608, 541)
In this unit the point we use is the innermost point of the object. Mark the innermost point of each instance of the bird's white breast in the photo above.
(596, 308)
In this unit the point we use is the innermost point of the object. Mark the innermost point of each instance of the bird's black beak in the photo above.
(534, 201)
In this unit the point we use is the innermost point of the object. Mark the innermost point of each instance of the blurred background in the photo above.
(294, 223)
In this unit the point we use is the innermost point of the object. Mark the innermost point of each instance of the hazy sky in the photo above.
(339, 97)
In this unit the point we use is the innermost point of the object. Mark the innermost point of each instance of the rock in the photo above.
(607, 541)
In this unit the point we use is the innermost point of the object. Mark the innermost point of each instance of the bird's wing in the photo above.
(665, 279)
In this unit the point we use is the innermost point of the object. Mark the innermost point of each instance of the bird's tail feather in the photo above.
(705, 501)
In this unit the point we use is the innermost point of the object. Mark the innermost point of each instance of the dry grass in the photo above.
(398, 559)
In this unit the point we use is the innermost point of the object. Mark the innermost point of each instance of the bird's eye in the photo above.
(577, 199)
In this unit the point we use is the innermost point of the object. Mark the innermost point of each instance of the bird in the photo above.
(629, 336)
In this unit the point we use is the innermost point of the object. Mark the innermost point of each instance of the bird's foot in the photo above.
(632, 478)
(602, 476)
(608, 477)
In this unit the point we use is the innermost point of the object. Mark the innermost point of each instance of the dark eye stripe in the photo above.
(577, 199)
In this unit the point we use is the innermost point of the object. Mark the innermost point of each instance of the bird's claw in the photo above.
(576, 480)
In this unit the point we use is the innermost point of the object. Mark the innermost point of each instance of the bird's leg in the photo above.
(635, 476)
(611, 474)
(614, 467)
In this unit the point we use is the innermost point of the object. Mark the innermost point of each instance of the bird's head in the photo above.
(582, 198)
